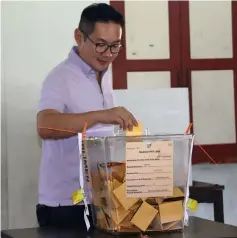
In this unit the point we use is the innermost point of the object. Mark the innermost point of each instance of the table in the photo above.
(209, 193)
(198, 228)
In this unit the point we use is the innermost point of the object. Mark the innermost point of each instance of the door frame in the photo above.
(222, 153)
(180, 65)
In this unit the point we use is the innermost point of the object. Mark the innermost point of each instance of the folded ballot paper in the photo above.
(134, 181)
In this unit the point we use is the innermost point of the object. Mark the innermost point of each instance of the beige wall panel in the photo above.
(210, 29)
(148, 80)
(213, 106)
(147, 29)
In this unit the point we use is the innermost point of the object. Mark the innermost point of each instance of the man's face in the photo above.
(93, 48)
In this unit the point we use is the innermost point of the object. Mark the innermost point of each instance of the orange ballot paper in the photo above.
(137, 131)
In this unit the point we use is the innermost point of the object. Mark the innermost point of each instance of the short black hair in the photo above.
(99, 12)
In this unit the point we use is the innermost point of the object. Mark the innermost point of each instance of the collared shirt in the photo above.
(71, 87)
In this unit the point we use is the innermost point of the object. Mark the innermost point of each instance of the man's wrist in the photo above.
(94, 117)
(98, 116)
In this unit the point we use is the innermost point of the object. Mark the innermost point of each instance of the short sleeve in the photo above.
(53, 95)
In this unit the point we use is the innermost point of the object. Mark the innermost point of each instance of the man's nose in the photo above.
(108, 53)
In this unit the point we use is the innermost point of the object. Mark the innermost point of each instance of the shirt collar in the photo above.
(74, 58)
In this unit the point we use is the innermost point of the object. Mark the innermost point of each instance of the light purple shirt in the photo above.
(71, 87)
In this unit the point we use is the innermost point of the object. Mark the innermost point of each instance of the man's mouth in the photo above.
(102, 62)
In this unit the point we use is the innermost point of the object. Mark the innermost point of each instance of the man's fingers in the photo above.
(120, 122)
(128, 122)
(128, 119)
(134, 121)
(125, 121)
(130, 125)
(132, 118)
(131, 121)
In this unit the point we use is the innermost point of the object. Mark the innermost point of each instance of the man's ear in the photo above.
(78, 36)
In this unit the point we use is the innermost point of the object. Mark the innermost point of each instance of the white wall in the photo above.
(36, 35)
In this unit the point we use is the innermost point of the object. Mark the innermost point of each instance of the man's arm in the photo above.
(51, 110)
(73, 123)
(68, 123)
(53, 101)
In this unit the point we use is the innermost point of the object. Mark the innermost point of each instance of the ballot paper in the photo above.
(149, 169)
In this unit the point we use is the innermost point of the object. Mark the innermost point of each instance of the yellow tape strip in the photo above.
(192, 204)
(78, 196)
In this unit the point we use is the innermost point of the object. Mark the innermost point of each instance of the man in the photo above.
(77, 91)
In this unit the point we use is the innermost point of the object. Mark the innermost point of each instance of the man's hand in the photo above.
(76, 122)
(118, 116)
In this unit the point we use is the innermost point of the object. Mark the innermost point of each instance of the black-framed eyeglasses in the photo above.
(103, 47)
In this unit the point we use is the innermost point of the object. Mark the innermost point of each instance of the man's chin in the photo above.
(101, 66)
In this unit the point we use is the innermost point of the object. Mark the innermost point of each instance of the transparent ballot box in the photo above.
(138, 183)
